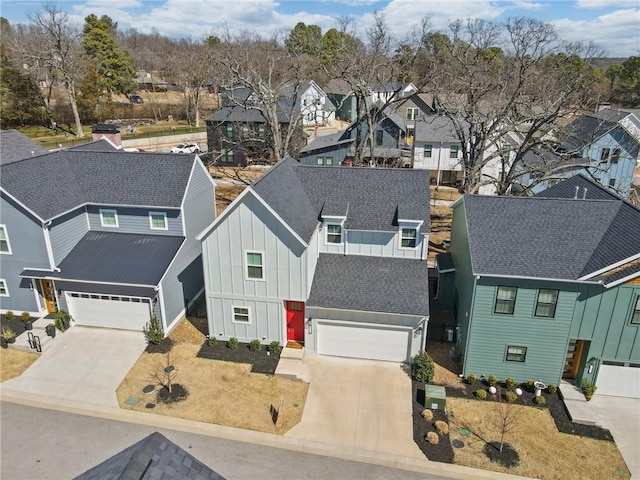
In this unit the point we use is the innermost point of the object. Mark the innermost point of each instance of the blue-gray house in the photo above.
(107, 235)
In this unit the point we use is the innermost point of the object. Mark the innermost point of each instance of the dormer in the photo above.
(409, 225)
(333, 216)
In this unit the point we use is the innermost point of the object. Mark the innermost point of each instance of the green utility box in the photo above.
(435, 397)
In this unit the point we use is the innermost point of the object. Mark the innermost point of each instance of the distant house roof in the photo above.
(297, 194)
(549, 237)
(392, 285)
(338, 86)
(326, 141)
(578, 186)
(588, 128)
(52, 184)
(237, 113)
(435, 128)
(101, 145)
(15, 146)
(149, 78)
(153, 458)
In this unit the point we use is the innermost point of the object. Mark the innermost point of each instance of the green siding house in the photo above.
(547, 289)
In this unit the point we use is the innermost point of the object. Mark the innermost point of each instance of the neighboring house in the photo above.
(547, 288)
(15, 146)
(332, 258)
(339, 148)
(315, 106)
(107, 235)
(391, 91)
(150, 82)
(436, 148)
(413, 109)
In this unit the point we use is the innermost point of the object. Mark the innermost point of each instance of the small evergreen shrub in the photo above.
(553, 389)
(509, 382)
(427, 414)
(492, 380)
(511, 396)
(255, 345)
(472, 378)
(25, 316)
(275, 348)
(233, 343)
(530, 387)
(9, 315)
(442, 427)
(152, 330)
(212, 342)
(539, 400)
(588, 388)
(481, 393)
(422, 367)
(432, 437)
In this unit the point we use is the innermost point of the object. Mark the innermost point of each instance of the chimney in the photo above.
(111, 132)
(603, 106)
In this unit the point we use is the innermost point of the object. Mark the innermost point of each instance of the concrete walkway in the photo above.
(82, 364)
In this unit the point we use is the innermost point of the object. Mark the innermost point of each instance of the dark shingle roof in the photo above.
(298, 192)
(547, 237)
(15, 146)
(391, 285)
(153, 458)
(237, 113)
(101, 145)
(436, 128)
(52, 184)
(120, 258)
(586, 188)
(326, 141)
(444, 262)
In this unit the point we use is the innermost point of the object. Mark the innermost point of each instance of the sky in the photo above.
(613, 24)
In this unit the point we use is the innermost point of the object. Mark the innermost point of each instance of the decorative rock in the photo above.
(518, 391)
(492, 390)
(457, 443)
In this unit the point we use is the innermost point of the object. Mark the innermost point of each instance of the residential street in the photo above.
(46, 444)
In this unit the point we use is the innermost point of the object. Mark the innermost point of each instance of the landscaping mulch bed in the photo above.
(440, 452)
(14, 324)
(163, 347)
(261, 361)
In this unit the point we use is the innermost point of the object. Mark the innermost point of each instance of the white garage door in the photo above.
(108, 311)
(364, 341)
(619, 380)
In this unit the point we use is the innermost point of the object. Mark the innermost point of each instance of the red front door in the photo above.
(295, 321)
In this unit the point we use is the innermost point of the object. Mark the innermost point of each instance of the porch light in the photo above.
(417, 331)
(309, 326)
(31, 285)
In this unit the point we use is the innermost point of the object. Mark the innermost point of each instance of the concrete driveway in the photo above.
(83, 364)
(358, 403)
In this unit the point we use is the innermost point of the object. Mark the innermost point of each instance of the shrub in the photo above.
(9, 315)
(255, 345)
(511, 396)
(530, 387)
(427, 414)
(275, 348)
(472, 378)
(25, 316)
(442, 427)
(539, 400)
(212, 342)
(152, 330)
(481, 393)
(432, 437)
(588, 388)
(509, 382)
(8, 334)
(422, 367)
(233, 343)
(492, 380)
(62, 319)
(553, 389)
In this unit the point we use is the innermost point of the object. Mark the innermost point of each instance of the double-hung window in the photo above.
(408, 237)
(453, 152)
(241, 315)
(5, 246)
(4, 291)
(334, 233)
(635, 316)
(547, 302)
(505, 300)
(412, 113)
(379, 137)
(229, 129)
(427, 151)
(604, 155)
(108, 218)
(516, 353)
(158, 221)
(616, 155)
(255, 266)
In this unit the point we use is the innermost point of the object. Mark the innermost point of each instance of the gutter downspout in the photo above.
(438, 174)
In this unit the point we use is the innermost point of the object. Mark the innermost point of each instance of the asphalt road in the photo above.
(47, 444)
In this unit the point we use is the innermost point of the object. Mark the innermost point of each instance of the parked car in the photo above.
(136, 99)
(186, 148)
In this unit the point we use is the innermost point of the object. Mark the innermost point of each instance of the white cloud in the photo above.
(606, 3)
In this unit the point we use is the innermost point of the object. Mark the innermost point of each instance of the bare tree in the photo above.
(508, 415)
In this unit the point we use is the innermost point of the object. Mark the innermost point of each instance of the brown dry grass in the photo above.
(449, 194)
(225, 194)
(14, 362)
(544, 452)
(223, 393)
(440, 229)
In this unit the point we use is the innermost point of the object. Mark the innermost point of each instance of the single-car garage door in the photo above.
(619, 379)
(128, 313)
(364, 341)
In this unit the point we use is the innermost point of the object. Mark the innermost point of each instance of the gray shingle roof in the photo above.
(237, 113)
(120, 258)
(61, 181)
(444, 262)
(586, 188)
(98, 146)
(15, 146)
(548, 237)
(326, 141)
(298, 192)
(436, 128)
(153, 458)
(371, 284)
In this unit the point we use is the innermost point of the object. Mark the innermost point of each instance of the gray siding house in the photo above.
(323, 257)
(547, 288)
(107, 235)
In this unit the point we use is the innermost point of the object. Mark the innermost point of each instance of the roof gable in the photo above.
(15, 146)
(578, 187)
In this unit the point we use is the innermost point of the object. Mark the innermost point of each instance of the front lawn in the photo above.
(13, 362)
(220, 392)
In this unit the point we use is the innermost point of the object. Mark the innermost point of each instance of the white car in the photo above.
(186, 148)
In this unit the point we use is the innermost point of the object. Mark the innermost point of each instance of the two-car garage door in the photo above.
(364, 341)
(129, 313)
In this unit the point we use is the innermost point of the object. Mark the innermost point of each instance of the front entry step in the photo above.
(291, 364)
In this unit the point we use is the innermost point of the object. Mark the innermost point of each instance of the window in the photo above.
(453, 152)
(229, 130)
(5, 246)
(408, 237)
(379, 137)
(334, 233)
(227, 155)
(254, 266)
(261, 130)
(412, 113)
(158, 221)
(505, 300)
(546, 304)
(427, 151)
(245, 131)
(635, 317)
(612, 182)
(320, 161)
(604, 155)
(108, 218)
(516, 354)
(4, 291)
(616, 155)
(241, 315)
(328, 161)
